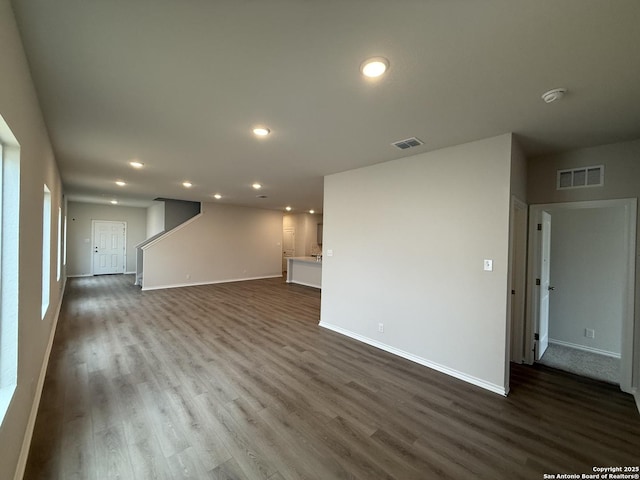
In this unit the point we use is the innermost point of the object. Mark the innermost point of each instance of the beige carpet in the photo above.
(580, 362)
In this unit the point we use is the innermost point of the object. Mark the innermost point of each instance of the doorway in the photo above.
(109, 253)
(288, 245)
(590, 249)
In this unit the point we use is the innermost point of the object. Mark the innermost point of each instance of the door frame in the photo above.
(628, 321)
(93, 241)
(517, 280)
(292, 229)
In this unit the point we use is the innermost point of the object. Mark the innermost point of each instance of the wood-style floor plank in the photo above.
(238, 381)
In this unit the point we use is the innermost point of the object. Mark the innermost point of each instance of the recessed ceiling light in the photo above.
(374, 67)
(261, 131)
(114, 202)
(136, 164)
(257, 186)
(312, 211)
(217, 196)
(120, 183)
(288, 209)
(187, 184)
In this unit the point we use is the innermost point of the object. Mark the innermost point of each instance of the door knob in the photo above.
(551, 288)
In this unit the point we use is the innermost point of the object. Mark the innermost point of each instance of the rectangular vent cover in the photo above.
(408, 143)
(581, 177)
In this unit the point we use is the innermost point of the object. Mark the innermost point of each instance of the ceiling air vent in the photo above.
(581, 177)
(408, 143)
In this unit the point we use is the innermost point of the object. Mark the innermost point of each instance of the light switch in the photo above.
(488, 265)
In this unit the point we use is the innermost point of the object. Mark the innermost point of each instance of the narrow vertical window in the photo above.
(46, 249)
(9, 235)
(59, 262)
(64, 255)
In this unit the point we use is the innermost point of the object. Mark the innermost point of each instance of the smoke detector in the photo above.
(553, 95)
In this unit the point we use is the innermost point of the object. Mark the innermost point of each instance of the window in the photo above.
(9, 223)
(59, 263)
(64, 255)
(46, 249)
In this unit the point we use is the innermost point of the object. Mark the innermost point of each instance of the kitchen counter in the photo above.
(304, 271)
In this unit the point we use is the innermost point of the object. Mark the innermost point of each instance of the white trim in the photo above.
(419, 360)
(195, 284)
(517, 329)
(304, 283)
(91, 275)
(585, 348)
(169, 233)
(31, 423)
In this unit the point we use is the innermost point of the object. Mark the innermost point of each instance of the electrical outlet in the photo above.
(188, 276)
(589, 333)
(381, 327)
(488, 265)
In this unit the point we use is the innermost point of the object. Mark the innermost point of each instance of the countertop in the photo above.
(305, 259)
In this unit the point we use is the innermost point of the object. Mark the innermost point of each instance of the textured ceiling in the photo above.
(179, 85)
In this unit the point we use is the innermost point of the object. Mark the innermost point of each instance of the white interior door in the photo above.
(109, 247)
(288, 245)
(545, 257)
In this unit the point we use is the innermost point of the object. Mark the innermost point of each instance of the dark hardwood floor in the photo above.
(237, 381)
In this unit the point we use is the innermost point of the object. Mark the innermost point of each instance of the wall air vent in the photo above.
(408, 143)
(581, 177)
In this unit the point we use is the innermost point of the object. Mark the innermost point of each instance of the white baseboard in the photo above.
(585, 348)
(195, 284)
(305, 284)
(26, 442)
(91, 274)
(500, 390)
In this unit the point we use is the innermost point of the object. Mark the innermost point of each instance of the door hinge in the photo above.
(536, 336)
(537, 281)
(539, 226)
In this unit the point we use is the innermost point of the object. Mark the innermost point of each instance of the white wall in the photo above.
(20, 109)
(408, 239)
(177, 212)
(588, 271)
(80, 235)
(155, 219)
(223, 244)
(621, 173)
(518, 172)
